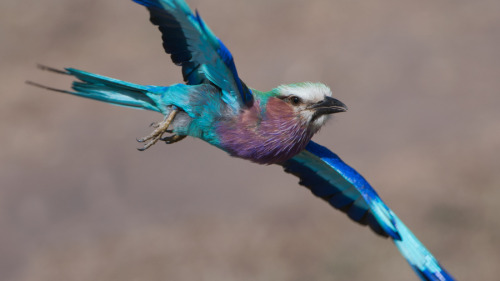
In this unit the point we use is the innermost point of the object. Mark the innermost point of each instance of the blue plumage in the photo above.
(192, 45)
(326, 183)
(362, 204)
(272, 127)
(246, 94)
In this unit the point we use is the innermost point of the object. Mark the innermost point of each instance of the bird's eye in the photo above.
(295, 100)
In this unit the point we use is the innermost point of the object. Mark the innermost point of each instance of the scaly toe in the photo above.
(147, 145)
(160, 129)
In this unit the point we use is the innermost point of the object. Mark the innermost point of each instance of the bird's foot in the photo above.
(160, 129)
(172, 139)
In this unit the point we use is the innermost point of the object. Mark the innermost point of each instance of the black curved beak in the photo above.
(328, 106)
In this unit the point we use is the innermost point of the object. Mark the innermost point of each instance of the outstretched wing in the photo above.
(192, 45)
(329, 178)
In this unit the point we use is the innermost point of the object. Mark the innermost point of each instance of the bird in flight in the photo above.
(273, 127)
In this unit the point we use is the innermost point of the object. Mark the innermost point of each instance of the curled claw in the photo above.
(172, 139)
(146, 146)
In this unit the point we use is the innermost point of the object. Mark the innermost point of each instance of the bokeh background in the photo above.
(79, 202)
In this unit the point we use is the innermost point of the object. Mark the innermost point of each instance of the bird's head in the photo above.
(311, 102)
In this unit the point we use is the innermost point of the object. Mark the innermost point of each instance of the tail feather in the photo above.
(109, 90)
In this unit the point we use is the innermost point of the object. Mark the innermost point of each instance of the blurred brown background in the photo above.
(79, 202)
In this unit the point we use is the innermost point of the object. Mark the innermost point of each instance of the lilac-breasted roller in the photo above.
(272, 127)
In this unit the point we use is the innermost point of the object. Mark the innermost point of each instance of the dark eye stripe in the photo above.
(294, 100)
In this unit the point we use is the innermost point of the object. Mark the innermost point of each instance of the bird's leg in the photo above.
(160, 129)
(172, 139)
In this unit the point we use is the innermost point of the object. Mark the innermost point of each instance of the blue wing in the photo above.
(192, 45)
(329, 178)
